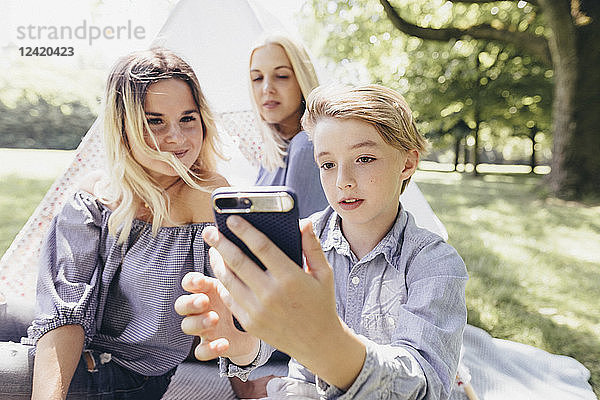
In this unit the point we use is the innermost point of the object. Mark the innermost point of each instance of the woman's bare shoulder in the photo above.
(217, 181)
(197, 203)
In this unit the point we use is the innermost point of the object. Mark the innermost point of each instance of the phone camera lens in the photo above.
(227, 203)
(246, 202)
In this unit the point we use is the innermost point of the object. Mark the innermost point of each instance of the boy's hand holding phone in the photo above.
(290, 308)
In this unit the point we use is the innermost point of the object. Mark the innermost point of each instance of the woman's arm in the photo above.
(57, 355)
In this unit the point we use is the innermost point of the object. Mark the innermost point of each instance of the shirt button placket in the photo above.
(355, 296)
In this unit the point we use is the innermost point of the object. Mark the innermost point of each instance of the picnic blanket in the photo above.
(503, 369)
(499, 369)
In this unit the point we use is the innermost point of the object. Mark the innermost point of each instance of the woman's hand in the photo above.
(290, 308)
(206, 316)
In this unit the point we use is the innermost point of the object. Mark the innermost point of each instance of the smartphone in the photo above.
(273, 210)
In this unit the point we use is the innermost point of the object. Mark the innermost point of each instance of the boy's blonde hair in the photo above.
(274, 146)
(126, 90)
(383, 108)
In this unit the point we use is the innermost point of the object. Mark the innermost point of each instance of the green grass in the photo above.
(534, 263)
(18, 199)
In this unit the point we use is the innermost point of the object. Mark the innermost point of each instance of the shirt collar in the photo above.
(389, 246)
(333, 237)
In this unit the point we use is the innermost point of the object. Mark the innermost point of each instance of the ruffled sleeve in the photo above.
(68, 279)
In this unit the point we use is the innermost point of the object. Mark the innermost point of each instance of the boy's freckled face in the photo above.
(360, 173)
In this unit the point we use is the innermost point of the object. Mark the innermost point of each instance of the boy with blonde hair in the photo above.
(379, 310)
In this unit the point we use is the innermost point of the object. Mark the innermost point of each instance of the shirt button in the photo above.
(355, 280)
(391, 321)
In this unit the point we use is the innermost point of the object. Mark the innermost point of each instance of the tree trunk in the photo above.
(477, 114)
(466, 153)
(532, 132)
(583, 157)
(573, 46)
(476, 142)
(576, 104)
(456, 152)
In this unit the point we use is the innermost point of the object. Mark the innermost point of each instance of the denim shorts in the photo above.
(97, 377)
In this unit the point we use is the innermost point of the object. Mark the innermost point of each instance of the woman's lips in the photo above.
(350, 204)
(269, 105)
(180, 154)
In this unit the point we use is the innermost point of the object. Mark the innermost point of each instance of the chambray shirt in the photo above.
(122, 295)
(300, 173)
(406, 300)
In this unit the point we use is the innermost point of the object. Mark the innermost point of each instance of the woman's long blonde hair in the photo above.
(126, 90)
(274, 146)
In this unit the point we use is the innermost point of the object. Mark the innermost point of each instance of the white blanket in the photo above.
(500, 370)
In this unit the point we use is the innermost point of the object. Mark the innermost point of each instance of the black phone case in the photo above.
(281, 227)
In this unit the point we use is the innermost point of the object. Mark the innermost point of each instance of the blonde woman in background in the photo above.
(281, 78)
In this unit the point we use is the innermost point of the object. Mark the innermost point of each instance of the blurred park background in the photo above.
(507, 92)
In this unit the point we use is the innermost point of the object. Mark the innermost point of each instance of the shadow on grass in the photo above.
(533, 262)
(506, 315)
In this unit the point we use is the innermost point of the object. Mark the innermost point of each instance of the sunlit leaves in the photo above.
(443, 81)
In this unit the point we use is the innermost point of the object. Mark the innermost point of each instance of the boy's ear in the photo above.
(410, 165)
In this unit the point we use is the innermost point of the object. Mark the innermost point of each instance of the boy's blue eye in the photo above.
(365, 159)
(327, 165)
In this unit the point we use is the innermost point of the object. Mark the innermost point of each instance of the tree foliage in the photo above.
(34, 121)
(557, 37)
(445, 82)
